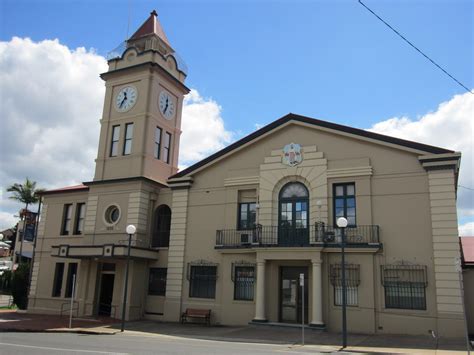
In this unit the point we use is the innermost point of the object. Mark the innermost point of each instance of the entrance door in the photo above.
(294, 215)
(291, 295)
(106, 293)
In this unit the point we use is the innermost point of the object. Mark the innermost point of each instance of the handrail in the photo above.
(284, 236)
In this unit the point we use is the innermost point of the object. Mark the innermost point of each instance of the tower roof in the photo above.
(149, 27)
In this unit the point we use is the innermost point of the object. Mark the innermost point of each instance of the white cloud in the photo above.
(51, 100)
(466, 229)
(451, 126)
(203, 129)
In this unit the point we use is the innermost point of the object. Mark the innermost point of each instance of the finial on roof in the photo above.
(154, 13)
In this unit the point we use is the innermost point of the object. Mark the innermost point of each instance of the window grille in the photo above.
(352, 283)
(352, 275)
(202, 276)
(243, 276)
(352, 296)
(405, 286)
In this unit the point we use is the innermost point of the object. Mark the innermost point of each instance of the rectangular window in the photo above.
(115, 141)
(344, 201)
(405, 286)
(352, 298)
(158, 132)
(157, 281)
(127, 144)
(71, 279)
(202, 281)
(166, 147)
(67, 214)
(247, 214)
(244, 280)
(352, 272)
(58, 279)
(80, 216)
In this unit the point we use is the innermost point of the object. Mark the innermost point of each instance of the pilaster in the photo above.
(442, 182)
(174, 282)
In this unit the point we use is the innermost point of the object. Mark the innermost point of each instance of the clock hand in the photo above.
(166, 107)
(124, 99)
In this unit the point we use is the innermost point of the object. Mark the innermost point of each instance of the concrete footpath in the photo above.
(11, 321)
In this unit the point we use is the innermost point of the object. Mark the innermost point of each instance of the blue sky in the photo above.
(262, 59)
(254, 61)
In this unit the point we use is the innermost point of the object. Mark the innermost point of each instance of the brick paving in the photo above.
(11, 320)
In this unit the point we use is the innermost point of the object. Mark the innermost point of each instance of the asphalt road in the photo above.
(60, 343)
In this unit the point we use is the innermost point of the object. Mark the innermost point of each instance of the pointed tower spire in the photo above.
(151, 27)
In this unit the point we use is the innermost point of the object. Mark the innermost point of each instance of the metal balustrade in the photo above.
(317, 235)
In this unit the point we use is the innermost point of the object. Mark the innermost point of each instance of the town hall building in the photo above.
(233, 232)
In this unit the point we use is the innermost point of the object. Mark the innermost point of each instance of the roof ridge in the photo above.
(317, 122)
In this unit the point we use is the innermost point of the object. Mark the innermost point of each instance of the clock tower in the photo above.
(141, 121)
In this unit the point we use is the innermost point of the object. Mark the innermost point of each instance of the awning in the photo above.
(25, 254)
(116, 251)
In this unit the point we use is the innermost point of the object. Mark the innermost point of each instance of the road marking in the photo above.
(62, 349)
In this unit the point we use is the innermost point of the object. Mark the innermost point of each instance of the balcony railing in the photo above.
(317, 235)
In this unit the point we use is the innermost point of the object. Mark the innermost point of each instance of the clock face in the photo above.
(166, 105)
(126, 98)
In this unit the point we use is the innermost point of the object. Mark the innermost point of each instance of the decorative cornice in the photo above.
(238, 181)
(441, 161)
(347, 172)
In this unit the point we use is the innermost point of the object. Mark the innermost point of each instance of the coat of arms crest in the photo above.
(292, 154)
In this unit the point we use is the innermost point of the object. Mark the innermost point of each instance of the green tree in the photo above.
(28, 194)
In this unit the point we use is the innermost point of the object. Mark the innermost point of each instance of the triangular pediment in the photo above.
(312, 123)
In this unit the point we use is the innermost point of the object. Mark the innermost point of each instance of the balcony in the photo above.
(317, 235)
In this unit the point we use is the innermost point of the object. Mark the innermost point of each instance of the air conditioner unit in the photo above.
(245, 239)
(329, 237)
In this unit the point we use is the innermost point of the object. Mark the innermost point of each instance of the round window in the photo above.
(112, 214)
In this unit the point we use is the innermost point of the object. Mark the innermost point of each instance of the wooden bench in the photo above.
(197, 313)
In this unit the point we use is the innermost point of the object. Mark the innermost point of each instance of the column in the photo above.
(317, 309)
(260, 298)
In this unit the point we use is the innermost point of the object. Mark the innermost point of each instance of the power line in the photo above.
(467, 188)
(416, 48)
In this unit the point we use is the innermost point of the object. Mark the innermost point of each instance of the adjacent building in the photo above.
(234, 232)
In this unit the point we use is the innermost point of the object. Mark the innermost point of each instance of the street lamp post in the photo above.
(342, 224)
(131, 229)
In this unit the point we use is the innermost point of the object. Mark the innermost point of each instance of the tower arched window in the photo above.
(161, 227)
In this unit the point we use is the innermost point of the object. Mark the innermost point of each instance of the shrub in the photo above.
(5, 282)
(19, 285)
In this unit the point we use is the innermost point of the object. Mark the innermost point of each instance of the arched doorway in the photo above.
(293, 215)
(161, 227)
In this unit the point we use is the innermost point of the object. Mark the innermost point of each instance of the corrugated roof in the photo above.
(67, 189)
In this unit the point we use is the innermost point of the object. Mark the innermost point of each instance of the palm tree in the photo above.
(28, 194)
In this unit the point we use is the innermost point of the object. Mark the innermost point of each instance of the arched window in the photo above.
(294, 190)
(161, 227)
(293, 215)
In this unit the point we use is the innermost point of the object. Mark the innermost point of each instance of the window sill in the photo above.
(243, 301)
(405, 310)
(202, 299)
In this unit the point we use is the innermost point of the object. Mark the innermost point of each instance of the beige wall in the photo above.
(392, 191)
